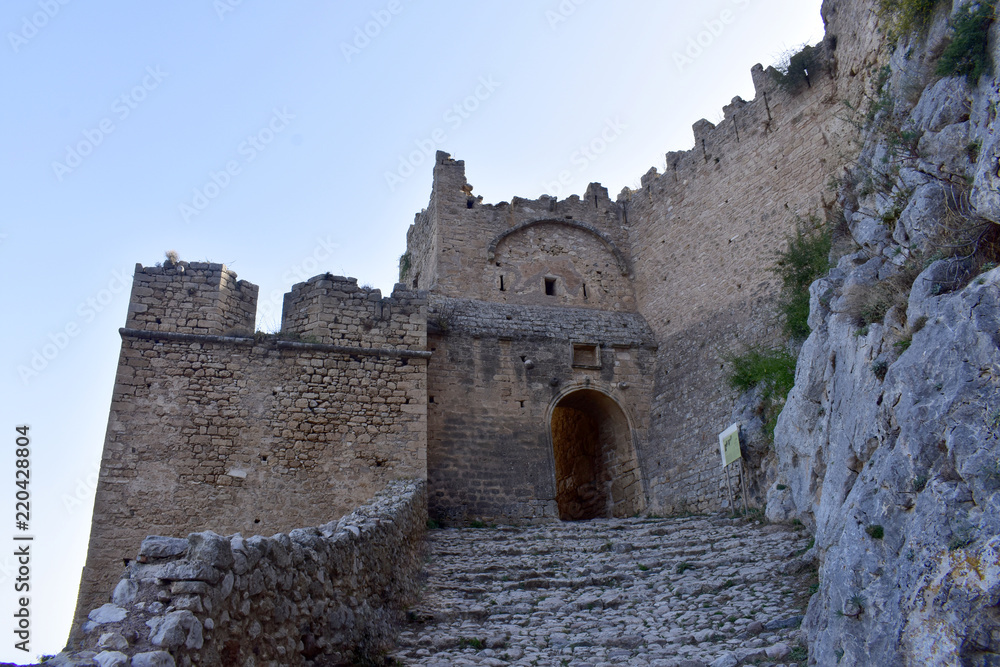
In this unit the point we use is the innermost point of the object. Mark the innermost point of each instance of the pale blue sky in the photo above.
(284, 141)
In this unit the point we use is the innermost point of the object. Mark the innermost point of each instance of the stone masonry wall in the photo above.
(256, 434)
(459, 247)
(333, 594)
(192, 297)
(333, 309)
(691, 251)
(703, 237)
(579, 268)
(496, 374)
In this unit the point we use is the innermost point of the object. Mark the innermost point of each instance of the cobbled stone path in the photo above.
(683, 592)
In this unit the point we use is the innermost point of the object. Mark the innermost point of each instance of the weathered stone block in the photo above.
(156, 547)
(153, 659)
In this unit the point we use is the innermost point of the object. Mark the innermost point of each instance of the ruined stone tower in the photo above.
(542, 368)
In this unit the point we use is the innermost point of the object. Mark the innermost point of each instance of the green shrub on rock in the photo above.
(806, 258)
(904, 17)
(968, 53)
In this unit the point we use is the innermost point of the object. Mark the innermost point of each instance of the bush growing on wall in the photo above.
(799, 69)
(404, 266)
(772, 370)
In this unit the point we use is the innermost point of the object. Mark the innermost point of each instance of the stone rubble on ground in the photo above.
(689, 592)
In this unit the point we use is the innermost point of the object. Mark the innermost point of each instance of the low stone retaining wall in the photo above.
(328, 595)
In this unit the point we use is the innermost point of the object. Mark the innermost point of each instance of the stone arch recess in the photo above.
(595, 464)
(576, 224)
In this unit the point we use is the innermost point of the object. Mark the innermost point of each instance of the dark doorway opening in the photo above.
(597, 474)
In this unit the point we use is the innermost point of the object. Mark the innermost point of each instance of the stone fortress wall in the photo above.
(545, 358)
(531, 303)
(331, 594)
(687, 258)
(214, 428)
(703, 237)
(501, 375)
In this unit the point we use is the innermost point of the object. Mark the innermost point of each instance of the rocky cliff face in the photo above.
(889, 444)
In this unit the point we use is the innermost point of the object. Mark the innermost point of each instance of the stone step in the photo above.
(639, 591)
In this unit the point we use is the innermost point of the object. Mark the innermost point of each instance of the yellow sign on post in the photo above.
(729, 445)
(729, 449)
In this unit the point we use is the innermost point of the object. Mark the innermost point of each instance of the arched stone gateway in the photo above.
(597, 472)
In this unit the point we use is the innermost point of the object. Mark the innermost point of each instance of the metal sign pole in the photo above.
(743, 487)
(732, 501)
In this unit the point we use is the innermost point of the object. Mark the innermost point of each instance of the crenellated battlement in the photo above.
(334, 309)
(204, 298)
(451, 189)
(746, 127)
(191, 297)
(581, 251)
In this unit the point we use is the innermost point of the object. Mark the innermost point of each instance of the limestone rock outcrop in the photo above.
(889, 444)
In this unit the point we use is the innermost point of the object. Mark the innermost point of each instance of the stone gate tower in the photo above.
(541, 372)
